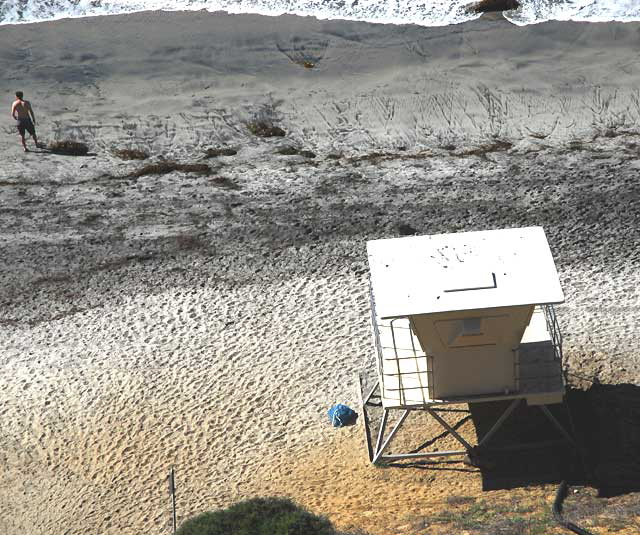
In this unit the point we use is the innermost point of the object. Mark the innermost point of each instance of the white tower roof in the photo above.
(462, 271)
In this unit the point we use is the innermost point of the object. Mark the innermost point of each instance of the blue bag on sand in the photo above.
(341, 415)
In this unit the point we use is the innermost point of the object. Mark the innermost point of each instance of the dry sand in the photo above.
(207, 323)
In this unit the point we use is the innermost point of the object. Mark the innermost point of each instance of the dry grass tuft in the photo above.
(488, 6)
(167, 166)
(262, 128)
(68, 148)
(131, 154)
(288, 150)
(459, 500)
(222, 151)
(224, 182)
(376, 157)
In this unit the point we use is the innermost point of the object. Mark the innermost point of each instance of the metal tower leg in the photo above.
(381, 447)
(557, 424)
(499, 422)
(451, 430)
(364, 401)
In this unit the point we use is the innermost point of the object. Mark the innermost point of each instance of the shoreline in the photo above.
(208, 322)
(404, 19)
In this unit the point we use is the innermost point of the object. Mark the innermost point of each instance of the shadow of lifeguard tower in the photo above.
(462, 318)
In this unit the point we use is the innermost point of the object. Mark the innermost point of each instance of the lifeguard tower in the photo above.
(462, 318)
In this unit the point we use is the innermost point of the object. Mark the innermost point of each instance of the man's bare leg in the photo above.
(24, 144)
(35, 139)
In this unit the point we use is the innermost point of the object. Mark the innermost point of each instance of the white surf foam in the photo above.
(425, 12)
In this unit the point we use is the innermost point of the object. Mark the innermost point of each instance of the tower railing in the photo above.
(423, 376)
(554, 330)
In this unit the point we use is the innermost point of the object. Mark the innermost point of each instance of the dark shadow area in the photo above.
(527, 449)
(605, 421)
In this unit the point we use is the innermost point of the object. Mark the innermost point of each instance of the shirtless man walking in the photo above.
(22, 112)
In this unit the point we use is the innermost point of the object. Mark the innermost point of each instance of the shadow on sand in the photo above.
(605, 421)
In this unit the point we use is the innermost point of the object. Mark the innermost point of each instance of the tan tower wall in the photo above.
(473, 350)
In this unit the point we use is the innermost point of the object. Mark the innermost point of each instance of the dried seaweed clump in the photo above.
(223, 151)
(482, 150)
(488, 6)
(166, 166)
(265, 129)
(69, 148)
(131, 154)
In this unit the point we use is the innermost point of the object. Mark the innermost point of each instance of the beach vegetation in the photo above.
(288, 150)
(465, 513)
(259, 516)
(164, 167)
(486, 148)
(131, 154)
(68, 148)
(264, 128)
(220, 151)
(376, 157)
(265, 121)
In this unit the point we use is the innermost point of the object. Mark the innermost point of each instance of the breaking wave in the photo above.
(422, 12)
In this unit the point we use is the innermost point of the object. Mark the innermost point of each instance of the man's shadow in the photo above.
(605, 423)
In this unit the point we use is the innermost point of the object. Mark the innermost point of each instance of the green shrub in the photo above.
(259, 516)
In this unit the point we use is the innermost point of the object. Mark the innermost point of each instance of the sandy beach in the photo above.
(208, 322)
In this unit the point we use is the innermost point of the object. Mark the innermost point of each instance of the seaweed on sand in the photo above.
(483, 150)
(222, 151)
(288, 150)
(68, 148)
(166, 166)
(131, 154)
